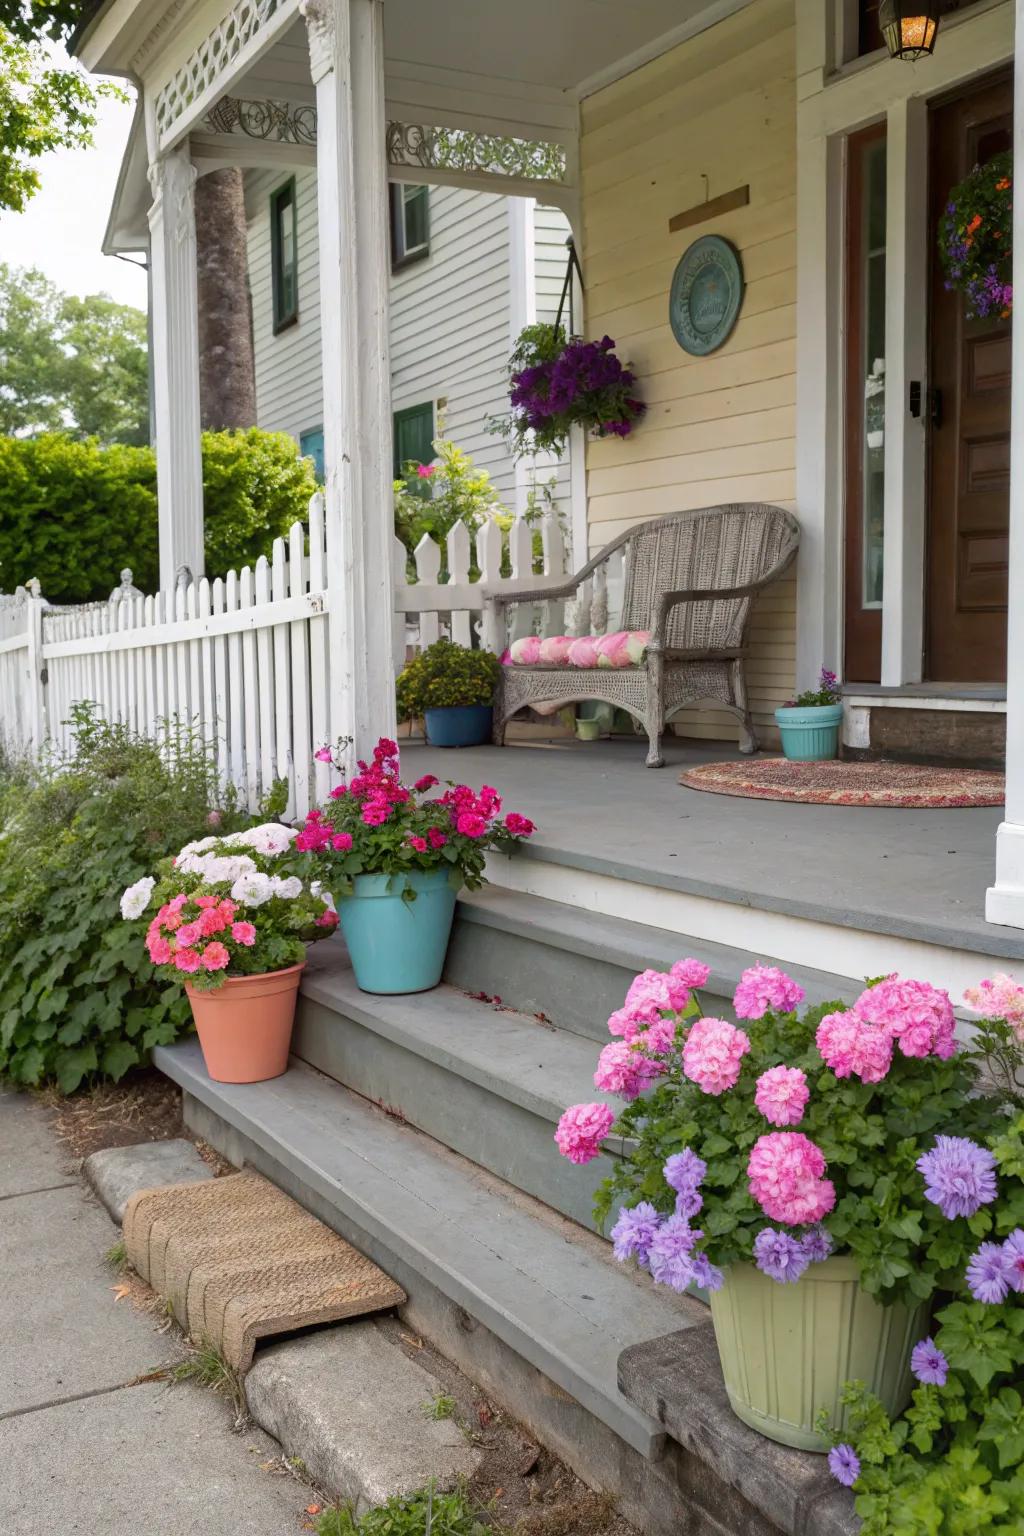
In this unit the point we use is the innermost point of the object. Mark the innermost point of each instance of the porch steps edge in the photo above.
(580, 963)
(487, 1082)
(544, 1287)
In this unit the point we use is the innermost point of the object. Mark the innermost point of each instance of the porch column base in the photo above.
(1004, 901)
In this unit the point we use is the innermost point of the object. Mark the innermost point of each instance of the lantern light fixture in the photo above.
(909, 27)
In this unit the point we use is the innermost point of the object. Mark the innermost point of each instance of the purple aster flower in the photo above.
(634, 1231)
(816, 1245)
(779, 1256)
(684, 1172)
(1014, 1250)
(844, 1464)
(990, 1273)
(670, 1253)
(959, 1176)
(689, 1204)
(929, 1364)
(705, 1273)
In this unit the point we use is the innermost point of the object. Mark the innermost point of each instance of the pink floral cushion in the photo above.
(623, 649)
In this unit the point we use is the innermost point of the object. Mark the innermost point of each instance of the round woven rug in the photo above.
(905, 785)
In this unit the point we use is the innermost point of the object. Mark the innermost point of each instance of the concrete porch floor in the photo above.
(913, 874)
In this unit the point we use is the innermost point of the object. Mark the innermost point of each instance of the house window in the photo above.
(410, 224)
(311, 446)
(414, 444)
(284, 256)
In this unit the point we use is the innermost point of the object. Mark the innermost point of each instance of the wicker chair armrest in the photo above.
(670, 600)
(556, 587)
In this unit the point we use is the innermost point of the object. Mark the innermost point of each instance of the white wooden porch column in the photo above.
(1004, 902)
(346, 49)
(175, 364)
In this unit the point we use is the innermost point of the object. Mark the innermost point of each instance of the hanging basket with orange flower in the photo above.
(976, 240)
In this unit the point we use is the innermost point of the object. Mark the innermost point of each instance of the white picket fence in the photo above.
(244, 660)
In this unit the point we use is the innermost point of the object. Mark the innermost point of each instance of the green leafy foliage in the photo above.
(78, 365)
(871, 1135)
(426, 1513)
(43, 107)
(446, 675)
(432, 498)
(74, 514)
(78, 996)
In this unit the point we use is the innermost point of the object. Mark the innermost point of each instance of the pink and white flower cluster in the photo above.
(785, 1175)
(999, 997)
(911, 1015)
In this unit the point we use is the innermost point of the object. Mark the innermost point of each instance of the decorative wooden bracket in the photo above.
(700, 212)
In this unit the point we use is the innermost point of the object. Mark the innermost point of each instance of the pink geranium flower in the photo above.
(712, 1054)
(186, 960)
(763, 989)
(781, 1095)
(189, 934)
(419, 843)
(785, 1176)
(244, 933)
(215, 956)
(581, 1130)
(853, 1048)
(470, 825)
(692, 973)
(917, 1015)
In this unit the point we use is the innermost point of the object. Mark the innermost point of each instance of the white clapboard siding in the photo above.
(235, 660)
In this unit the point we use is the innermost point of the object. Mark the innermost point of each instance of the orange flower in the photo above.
(1004, 185)
(974, 224)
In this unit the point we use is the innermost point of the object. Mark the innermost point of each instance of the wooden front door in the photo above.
(968, 409)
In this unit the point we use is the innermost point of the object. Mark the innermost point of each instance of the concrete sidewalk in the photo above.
(83, 1448)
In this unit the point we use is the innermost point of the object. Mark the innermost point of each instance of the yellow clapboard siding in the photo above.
(765, 426)
(718, 408)
(769, 486)
(771, 253)
(710, 464)
(766, 295)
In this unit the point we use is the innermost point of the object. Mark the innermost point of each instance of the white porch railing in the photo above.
(244, 660)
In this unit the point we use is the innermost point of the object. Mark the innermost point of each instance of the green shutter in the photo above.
(414, 442)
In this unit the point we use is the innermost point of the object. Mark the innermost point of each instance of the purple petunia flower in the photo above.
(670, 1254)
(990, 1273)
(684, 1171)
(844, 1464)
(705, 1273)
(959, 1176)
(816, 1245)
(779, 1256)
(689, 1203)
(1014, 1249)
(634, 1231)
(929, 1364)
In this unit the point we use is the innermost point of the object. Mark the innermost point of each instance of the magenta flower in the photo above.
(765, 988)
(917, 1015)
(929, 1364)
(623, 1071)
(581, 1130)
(844, 1464)
(659, 991)
(990, 1273)
(470, 824)
(959, 1176)
(324, 755)
(852, 1047)
(417, 843)
(692, 973)
(634, 1231)
(712, 1054)
(781, 1095)
(779, 1256)
(427, 782)
(426, 471)
(519, 826)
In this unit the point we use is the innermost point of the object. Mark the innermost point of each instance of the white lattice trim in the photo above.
(201, 71)
(460, 149)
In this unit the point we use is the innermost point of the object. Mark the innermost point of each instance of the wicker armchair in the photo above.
(688, 579)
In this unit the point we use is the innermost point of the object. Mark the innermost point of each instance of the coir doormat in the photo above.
(904, 785)
(240, 1261)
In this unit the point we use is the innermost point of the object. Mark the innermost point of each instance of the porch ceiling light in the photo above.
(909, 27)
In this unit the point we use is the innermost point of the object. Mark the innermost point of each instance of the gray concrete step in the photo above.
(485, 1081)
(574, 966)
(451, 1234)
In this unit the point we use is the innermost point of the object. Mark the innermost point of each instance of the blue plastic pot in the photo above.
(459, 725)
(810, 734)
(397, 945)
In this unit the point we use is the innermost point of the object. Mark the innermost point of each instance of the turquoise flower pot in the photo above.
(459, 725)
(397, 945)
(810, 734)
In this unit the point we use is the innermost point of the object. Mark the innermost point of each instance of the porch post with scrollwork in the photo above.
(347, 59)
(175, 369)
(1004, 902)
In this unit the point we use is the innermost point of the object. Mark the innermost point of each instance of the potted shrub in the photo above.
(394, 857)
(231, 925)
(822, 1175)
(809, 724)
(452, 688)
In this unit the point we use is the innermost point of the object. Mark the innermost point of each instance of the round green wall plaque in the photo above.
(707, 291)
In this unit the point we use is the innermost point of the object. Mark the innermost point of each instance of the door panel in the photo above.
(969, 431)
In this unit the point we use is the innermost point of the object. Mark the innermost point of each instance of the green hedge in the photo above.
(75, 513)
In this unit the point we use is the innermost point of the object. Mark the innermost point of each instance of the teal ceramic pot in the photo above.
(811, 734)
(459, 725)
(397, 945)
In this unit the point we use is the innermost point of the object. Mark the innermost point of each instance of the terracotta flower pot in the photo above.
(245, 1026)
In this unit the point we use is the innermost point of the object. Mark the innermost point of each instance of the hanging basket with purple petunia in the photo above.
(976, 239)
(558, 382)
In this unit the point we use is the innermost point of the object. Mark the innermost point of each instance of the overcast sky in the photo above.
(62, 227)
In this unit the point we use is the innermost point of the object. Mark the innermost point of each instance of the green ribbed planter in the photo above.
(788, 1350)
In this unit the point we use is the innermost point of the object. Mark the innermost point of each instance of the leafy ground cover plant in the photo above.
(221, 907)
(425, 1513)
(443, 675)
(78, 997)
(376, 825)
